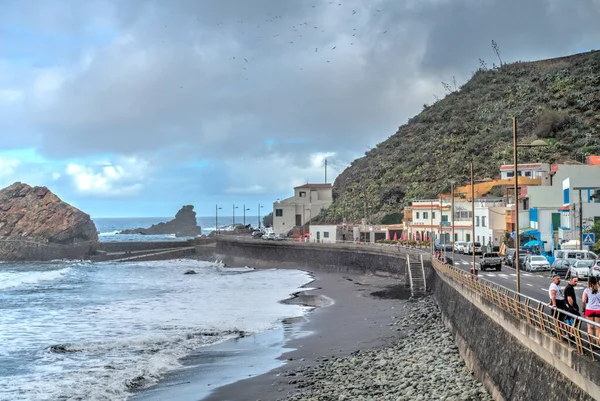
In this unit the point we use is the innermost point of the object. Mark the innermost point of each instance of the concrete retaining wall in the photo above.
(513, 359)
(141, 246)
(332, 257)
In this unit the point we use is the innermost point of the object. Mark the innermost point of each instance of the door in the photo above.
(318, 236)
(298, 220)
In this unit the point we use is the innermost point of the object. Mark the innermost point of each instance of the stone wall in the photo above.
(20, 250)
(332, 257)
(141, 246)
(513, 359)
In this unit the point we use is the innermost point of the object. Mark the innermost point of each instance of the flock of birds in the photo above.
(306, 35)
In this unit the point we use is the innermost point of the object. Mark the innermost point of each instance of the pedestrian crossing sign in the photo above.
(589, 239)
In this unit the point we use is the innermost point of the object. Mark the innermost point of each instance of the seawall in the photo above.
(330, 257)
(514, 360)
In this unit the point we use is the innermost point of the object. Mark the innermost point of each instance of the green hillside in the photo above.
(557, 100)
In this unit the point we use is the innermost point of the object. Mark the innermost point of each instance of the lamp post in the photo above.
(516, 145)
(233, 216)
(245, 214)
(217, 208)
(431, 228)
(259, 207)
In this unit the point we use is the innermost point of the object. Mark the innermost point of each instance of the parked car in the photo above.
(442, 247)
(595, 269)
(280, 237)
(257, 234)
(581, 269)
(269, 236)
(490, 260)
(575, 254)
(508, 256)
(536, 263)
(561, 266)
(460, 247)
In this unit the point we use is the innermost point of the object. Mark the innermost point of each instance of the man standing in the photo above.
(571, 300)
(557, 299)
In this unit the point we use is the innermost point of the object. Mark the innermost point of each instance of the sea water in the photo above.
(109, 228)
(101, 331)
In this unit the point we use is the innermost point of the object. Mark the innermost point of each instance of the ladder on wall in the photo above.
(416, 276)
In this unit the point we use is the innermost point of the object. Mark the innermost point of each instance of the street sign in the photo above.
(589, 239)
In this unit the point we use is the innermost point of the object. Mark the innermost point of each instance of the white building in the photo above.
(296, 211)
(553, 208)
(323, 233)
(528, 170)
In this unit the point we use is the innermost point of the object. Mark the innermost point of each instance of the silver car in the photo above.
(536, 263)
(581, 269)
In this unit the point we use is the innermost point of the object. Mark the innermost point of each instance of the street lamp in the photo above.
(259, 207)
(452, 216)
(217, 208)
(536, 143)
(233, 216)
(245, 215)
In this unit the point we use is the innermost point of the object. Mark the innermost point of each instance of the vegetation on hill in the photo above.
(556, 100)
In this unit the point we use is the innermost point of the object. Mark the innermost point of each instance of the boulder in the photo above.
(183, 225)
(35, 224)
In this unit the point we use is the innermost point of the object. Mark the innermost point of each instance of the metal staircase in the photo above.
(416, 276)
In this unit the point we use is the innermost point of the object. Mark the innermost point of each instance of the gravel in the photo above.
(424, 365)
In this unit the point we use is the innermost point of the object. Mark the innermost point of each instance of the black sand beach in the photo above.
(355, 321)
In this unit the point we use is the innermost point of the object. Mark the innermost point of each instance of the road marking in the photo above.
(513, 274)
(531, 285)
(503, 275)
(544, 289)
(490, 274)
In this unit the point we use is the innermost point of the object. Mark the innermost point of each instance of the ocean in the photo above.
(73, 330)
(109, 227)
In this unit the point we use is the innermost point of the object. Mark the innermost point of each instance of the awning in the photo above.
(533, 244)
(564, 208)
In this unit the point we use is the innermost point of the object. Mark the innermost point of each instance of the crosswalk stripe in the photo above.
(531, 285)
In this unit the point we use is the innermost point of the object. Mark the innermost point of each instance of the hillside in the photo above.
(557, 100)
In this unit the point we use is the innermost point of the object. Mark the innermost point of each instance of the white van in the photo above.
(478, 250)
(574, 254)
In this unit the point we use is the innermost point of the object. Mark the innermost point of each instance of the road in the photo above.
(534, 285)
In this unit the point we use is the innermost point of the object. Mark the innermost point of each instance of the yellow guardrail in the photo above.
(530, 310)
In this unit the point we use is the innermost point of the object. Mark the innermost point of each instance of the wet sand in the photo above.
(356, 320)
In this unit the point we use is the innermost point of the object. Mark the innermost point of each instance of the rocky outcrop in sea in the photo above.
(424, 365)
(35, 224)
(183, 225)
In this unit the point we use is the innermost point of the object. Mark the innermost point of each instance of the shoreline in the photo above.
(354, 319)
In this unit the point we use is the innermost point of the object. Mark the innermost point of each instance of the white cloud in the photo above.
(123, 178)
(10, 95)
(253, 189)
(8, 166)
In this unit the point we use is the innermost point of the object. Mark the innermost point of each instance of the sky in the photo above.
(135, 108)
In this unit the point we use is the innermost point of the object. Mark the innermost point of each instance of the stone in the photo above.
(35, 224)
(190, 272)
(183, 225)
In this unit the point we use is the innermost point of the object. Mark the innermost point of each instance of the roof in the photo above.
(316, 186)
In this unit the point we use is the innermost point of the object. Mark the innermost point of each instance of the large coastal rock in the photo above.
(35, 224)
(183, 225)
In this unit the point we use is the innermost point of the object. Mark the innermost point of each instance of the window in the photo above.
(325, 234)
(468, 237)
(445, 217)
(510, 174)
(279, 212)
(528, 174)
(477, 238)
(463, 216)
(417, 215)
(433, 215)
(455, 237)
(425, 215)
(302, 194)
(477, 221)
(482, 221)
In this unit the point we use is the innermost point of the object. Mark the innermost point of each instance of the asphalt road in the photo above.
(534, 285)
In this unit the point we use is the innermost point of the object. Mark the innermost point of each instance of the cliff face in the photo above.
(183, 225)
(556, 100)
(34, 215)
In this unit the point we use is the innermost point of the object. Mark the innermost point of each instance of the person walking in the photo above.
(591, 306)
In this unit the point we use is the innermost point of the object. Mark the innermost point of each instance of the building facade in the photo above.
(298, 210)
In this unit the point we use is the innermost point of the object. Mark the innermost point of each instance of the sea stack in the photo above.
(35, 224)
(183, 225)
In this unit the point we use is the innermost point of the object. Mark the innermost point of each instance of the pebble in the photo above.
(423, 365)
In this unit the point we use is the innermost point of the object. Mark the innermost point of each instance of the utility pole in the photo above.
(516, 200)
(452, 217)
(580, 221)
(473, 215)
(325, 171)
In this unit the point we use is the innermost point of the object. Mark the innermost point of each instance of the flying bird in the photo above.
(333, 48)
(384, 32)
(353, 12)
(316, 49)
(246, 60)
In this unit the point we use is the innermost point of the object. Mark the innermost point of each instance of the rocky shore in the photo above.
(424, 365)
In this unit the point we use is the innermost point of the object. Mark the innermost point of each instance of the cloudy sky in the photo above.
(135, 107)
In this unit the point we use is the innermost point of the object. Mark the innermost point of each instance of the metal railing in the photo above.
(532, 311)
